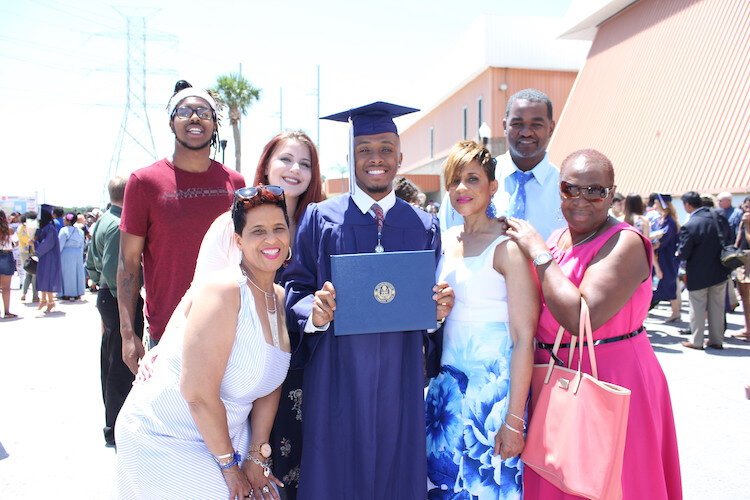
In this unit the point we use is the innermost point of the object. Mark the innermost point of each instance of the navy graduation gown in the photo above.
(363, 405)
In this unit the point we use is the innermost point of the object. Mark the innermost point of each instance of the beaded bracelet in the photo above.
(236, 460)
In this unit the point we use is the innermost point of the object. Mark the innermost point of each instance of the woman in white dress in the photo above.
(476, 406)
(184, 432)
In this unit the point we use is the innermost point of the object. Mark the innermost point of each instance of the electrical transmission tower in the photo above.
(135, 128)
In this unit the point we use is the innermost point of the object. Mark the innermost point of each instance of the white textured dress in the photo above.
(160, 452)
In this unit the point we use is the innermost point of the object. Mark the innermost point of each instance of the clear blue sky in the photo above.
(62, 79)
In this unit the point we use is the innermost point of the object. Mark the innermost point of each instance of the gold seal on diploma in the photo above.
(384, 292)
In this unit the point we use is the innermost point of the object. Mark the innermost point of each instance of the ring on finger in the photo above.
(265, 489)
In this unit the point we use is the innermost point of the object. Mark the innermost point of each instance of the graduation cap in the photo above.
(664, 199)
(372, 119)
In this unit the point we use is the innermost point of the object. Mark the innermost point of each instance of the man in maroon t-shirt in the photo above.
(167, 210)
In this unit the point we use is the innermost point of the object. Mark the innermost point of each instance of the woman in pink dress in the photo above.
(609, 263)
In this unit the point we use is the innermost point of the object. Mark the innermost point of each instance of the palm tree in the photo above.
(237, 94)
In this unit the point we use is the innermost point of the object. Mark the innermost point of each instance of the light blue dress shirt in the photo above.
(542, 196)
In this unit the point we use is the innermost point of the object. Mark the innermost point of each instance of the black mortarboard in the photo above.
(372, 119)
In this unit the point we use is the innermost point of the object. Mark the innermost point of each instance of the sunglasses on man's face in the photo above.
(253, 196)
(591, 193)
(186, 112)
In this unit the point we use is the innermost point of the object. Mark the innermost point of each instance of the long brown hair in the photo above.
(314, 192)
(4, 228)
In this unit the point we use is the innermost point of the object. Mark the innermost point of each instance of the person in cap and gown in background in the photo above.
(48, 273)
(72, 243)
(664, 232)
(363, 408)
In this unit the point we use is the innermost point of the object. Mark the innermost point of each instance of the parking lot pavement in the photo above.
(52, 415)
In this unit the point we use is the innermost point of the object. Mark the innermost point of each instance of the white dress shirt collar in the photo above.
(541, 171)
(364, 202)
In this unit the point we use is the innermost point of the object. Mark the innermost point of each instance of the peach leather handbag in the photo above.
(576, 435)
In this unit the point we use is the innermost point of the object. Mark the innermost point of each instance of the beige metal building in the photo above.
(665, 94)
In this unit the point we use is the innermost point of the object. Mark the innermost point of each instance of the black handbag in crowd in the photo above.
(731, 257)
(30, 265)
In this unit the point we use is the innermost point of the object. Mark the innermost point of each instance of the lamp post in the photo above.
(223, 144)
(485, 132)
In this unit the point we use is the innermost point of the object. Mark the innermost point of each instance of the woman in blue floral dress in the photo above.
(475, 407)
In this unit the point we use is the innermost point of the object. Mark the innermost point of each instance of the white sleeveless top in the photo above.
(254, 369)
(481, 293)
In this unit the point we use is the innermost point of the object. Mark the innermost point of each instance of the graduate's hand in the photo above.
(444, 297)
(324, 304)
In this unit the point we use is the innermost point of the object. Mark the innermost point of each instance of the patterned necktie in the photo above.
(379, 219)
(518, 204)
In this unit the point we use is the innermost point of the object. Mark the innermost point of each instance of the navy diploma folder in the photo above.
(384, 292)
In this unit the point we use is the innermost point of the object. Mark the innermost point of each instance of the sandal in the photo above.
(41, 304)
(742, 336)
(673, 319)
(50, 305)
(10, 315)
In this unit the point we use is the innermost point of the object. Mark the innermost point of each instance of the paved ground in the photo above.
(51, 414)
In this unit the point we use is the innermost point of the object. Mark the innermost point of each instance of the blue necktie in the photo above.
(518, 203)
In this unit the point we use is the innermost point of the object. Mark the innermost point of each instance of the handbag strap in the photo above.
(584, 328)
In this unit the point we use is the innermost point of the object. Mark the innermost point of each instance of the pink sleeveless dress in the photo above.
(651, 468)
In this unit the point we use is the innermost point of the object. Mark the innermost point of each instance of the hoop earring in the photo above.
(491, 211)
(290, 255)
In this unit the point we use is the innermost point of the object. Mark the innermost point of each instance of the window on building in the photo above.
(466, 123)
(432, 142)
(479, 113)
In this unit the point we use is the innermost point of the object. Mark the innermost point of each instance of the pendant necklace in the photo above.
(270, 307)
(587, 238)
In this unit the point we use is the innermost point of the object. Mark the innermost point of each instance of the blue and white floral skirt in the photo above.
(464, 408)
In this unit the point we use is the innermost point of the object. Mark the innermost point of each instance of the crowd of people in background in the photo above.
(516, 222)
(46, 249)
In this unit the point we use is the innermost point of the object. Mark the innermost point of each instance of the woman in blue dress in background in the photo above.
(72, 242)
(664, 239)
(476, 406)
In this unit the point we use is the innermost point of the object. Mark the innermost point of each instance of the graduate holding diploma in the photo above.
(363, 408)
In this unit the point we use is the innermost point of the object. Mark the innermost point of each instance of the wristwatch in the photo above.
(542, 258)
(264, 449)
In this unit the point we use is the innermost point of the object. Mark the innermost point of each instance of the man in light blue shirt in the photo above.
(529, 182)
